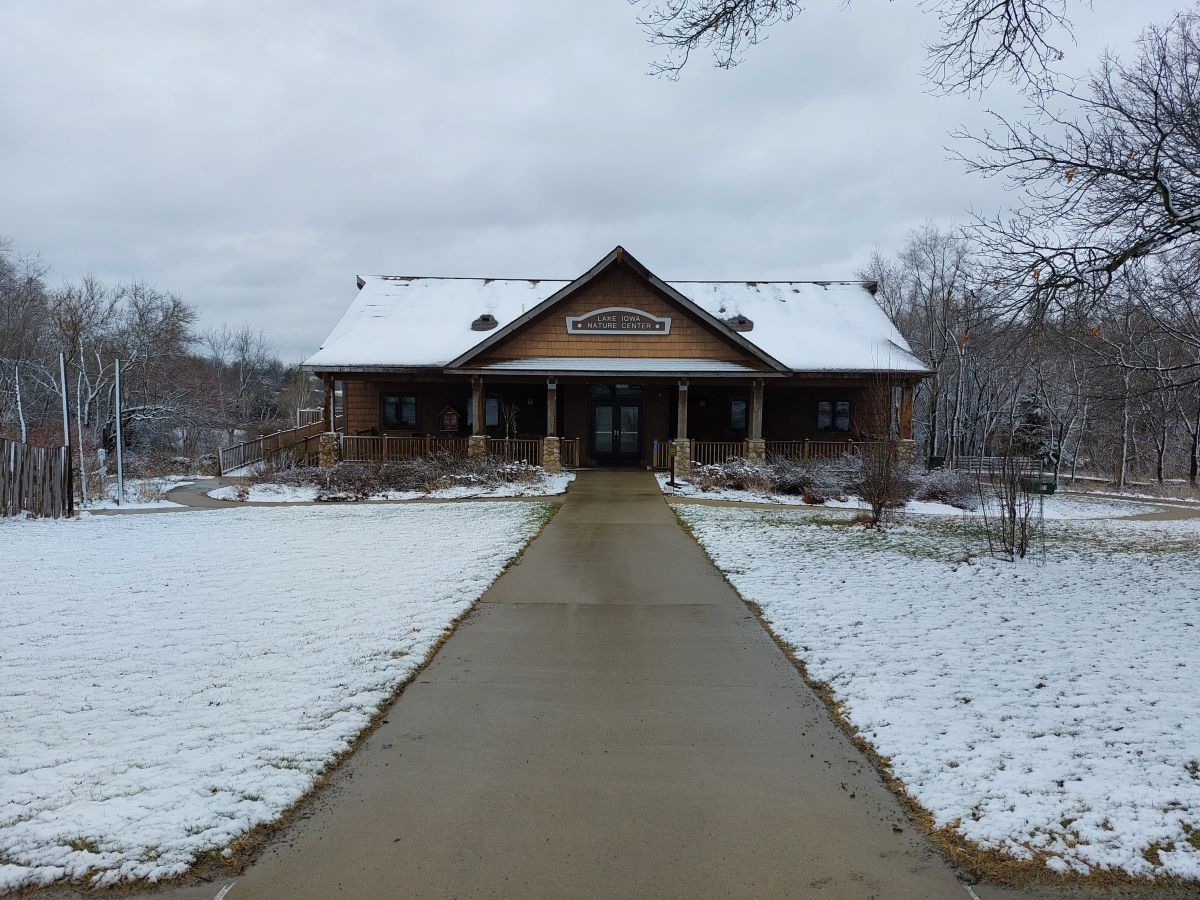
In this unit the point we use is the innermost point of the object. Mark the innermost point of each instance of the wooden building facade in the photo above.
(616, 367)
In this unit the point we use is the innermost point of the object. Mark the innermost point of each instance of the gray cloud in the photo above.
(254, 157)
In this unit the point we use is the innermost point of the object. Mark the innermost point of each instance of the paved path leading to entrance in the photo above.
(610, 722)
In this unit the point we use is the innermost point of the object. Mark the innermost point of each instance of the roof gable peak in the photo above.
(617, 258)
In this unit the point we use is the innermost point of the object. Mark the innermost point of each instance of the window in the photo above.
(491, 415)
(833, 415)
(399, 410)
(737, 415)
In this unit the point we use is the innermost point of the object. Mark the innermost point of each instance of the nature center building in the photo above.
(614, 368)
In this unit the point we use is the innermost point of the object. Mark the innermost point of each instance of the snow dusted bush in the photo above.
(815, 480)
(359, 481)
(829, 479)
(734, 475)
(953, 487)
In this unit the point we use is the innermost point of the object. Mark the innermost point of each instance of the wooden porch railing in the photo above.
(385, 448)
(266, 448)
(661, 450)
(569, 452)
(517, 449)
(706, 453)
(808, 449)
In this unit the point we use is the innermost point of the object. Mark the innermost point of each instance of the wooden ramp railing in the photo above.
(297, 441)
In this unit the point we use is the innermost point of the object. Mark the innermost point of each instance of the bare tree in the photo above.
(244, 372)
(1107, 175)
(979, 39)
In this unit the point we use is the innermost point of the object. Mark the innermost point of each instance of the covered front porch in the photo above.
(612, 419)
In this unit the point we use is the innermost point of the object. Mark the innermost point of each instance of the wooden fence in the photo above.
(35, 480)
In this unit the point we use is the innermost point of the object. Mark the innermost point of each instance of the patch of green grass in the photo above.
(84, 844)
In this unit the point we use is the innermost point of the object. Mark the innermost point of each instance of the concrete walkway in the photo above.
(610, 722)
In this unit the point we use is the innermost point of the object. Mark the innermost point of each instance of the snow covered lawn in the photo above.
(1056, 506)
(1047, 710)
(543, 486)
(169, 682)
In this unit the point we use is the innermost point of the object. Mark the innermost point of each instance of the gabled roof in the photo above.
(618, 257)
(399, 322)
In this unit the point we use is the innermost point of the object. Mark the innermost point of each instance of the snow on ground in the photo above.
(543, 486)
(168, 682)
(1055, 506)
(1044, 709)
(140, 493)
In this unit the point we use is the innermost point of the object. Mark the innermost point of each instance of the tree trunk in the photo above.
(21, 410)
(1122, 464)
(1194, 466)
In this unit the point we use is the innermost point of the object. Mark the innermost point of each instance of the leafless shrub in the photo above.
(151, 490)
(1011, 507)
(886, 481)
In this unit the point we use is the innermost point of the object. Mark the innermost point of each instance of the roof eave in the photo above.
(613, 373)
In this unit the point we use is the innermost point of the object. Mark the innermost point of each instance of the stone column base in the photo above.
(477, 445)
(551, 455)
(328, 450)
(683, 456)
(756, 451)
(906, 450)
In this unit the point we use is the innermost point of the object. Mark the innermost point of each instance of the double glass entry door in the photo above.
(616, 427)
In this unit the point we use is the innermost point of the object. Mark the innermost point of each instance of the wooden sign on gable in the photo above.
(622, 319)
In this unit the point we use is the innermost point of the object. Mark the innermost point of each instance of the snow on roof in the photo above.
(419, 322)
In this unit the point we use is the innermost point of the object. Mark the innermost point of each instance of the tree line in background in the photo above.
(185, 393)
(1108, 386)
(1067, 326)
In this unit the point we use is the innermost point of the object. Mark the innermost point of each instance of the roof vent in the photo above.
(739, 323)
(486, 322)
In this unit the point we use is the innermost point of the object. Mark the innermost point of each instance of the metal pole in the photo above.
(120, 449)
(66, 451)
(62, 380)
(83, 497)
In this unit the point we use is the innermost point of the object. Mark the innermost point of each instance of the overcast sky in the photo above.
(255, 156)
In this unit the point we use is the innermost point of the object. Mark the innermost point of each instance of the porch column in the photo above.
(682, 445)
(681, 417)
(756, 447)
(908, 450)
(906, 412)
(328, 411)
(551, 446)
(551, 408)
(477, 443)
